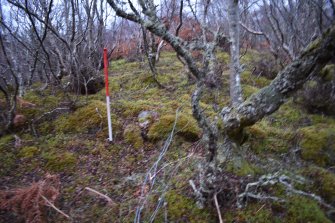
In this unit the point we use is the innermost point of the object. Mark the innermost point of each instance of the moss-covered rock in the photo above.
(132, 135)
(317, 144)
(186, 126)
(83, 119)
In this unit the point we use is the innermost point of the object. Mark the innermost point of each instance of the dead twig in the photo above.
(108, 199)
(54, 207)
(218, 207)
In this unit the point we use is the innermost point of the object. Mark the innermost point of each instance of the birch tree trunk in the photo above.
(235, 67)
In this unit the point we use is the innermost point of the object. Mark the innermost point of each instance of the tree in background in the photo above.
(58, 43)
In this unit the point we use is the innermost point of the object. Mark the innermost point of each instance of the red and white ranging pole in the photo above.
(107, 96)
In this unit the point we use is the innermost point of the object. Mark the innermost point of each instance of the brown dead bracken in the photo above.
(30, 202)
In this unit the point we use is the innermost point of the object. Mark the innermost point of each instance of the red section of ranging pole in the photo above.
(106, 71)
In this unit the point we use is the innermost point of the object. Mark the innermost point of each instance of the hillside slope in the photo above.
(73, 144)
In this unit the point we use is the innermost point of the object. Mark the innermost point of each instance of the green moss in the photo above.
(5, 140)
(88, 119)
(28, 152)
(250, 57)
(7, 162)
(289, 115)
(123, 66)
(223, 57)
(301, 209)
(322, 119)
(295, 210)
(312, 46)
(7, 154)
(248, 78)
(311, 84)
(44, 102)
(253, 213)
(323, 182)
(57, 142)
(186, 127)
(328, 72)
(248, 90)
(114, 86)
(264, 137)
(184, 209)
(242, 168)
(60, 162)
(133, 108)
(318, 144)
(132, 135)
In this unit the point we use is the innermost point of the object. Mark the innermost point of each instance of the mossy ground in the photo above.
(75, 146)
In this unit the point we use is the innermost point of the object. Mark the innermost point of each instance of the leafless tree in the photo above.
(70, 33)
(235, 67)
(287, 26)
(224, 143)
(58, 43)
(9, 83)
(9, 86)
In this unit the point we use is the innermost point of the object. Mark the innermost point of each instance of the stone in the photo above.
(145, 118)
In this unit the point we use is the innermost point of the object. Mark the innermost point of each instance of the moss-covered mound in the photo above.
(265, 138)
(186, 127)
(323, 182)
(90, 118)
(318, 144)
(132, 135)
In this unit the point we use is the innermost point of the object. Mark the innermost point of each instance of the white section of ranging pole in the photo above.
(110, 130)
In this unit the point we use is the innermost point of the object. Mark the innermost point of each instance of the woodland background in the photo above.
(222, 111)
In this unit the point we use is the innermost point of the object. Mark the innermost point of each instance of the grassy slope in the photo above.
(74, 146)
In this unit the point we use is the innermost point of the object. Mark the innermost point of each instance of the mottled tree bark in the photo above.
(270, 98)
(235, 67)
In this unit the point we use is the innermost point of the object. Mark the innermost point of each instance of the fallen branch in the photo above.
(218, 207)
(50, 113)
(54, 207)
(276, 178)
(108, 199)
